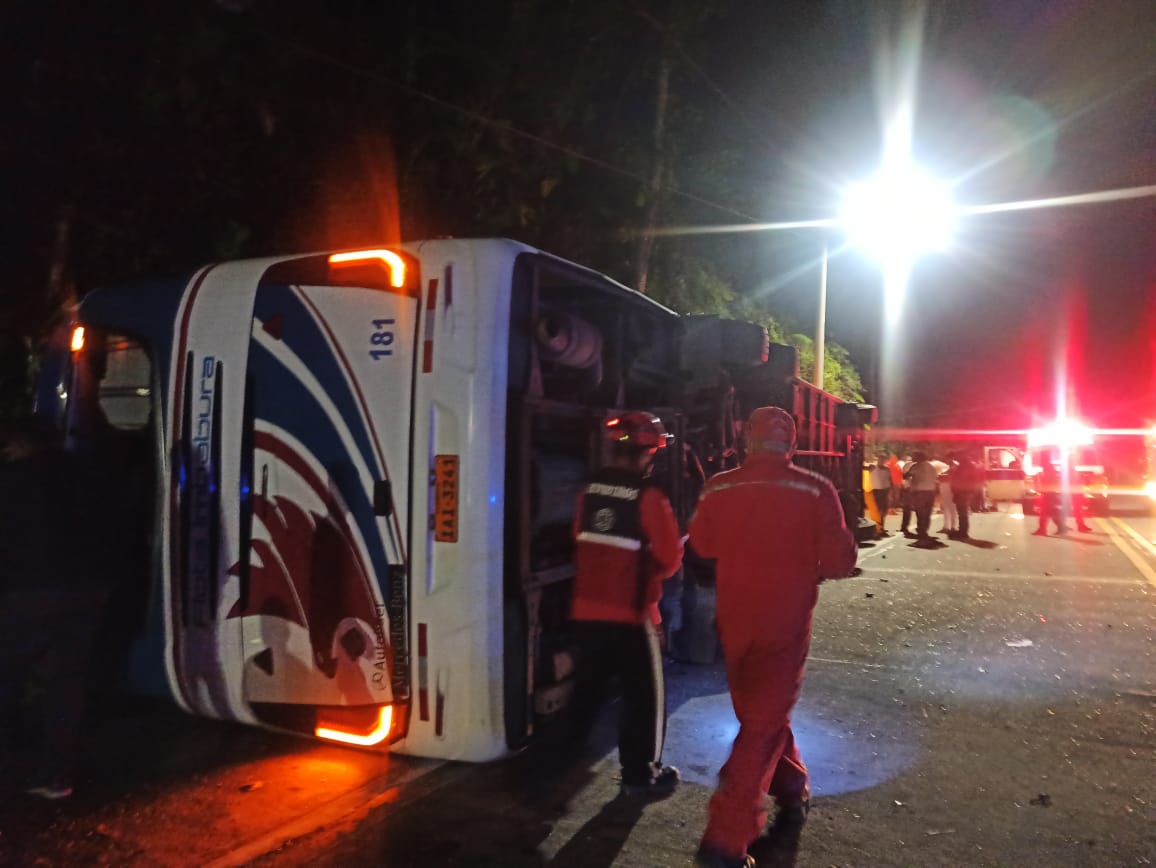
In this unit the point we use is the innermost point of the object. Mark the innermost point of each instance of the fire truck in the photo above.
(357, 472)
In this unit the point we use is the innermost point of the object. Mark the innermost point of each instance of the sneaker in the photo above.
(52, 792)
(661, 785)
(709, 857)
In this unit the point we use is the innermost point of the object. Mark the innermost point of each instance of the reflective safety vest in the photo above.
(611, 510)
(620, 564)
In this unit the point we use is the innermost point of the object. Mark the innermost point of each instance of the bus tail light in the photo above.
(76, 344)
(362, 725)
(387, 259)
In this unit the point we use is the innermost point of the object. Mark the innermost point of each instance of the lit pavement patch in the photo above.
(840, 757)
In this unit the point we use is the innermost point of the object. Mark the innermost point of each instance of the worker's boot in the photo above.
(660, 784)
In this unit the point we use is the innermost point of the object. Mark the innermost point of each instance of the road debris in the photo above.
(1019, 643)
(1043, 800)
(933, 832)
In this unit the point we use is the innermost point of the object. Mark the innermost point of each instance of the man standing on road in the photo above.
(1050, 502)
(966, 483)
(627, 544)
(1077, 499)
(924, 483)
(776, 531)
(880, 477)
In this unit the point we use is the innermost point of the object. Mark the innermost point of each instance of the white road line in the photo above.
(880, 547)
(916, 572)
(1135, 557)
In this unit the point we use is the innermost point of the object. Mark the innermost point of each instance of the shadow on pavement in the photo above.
(598, 843)
(499, 815)
(979, 543)
(779, 848)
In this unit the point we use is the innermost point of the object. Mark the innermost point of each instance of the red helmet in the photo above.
(638, 428)
(771, 429)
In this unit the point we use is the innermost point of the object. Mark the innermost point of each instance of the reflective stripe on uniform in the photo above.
(605, 539)
(771, 483)
(654, 648)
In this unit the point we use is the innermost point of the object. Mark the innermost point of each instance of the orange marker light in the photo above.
(375, 736)
(388, 258)
(77, 342)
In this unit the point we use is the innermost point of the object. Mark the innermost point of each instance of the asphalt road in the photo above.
(988, 704)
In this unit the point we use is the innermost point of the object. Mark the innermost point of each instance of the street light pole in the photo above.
(821, 327)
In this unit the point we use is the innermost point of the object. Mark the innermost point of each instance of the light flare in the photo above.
(898, 214)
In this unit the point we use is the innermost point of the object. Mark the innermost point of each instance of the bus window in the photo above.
(124, 392)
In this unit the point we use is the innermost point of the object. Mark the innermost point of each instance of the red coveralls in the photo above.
(775, 531)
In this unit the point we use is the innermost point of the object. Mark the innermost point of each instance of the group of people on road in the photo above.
(914, 486)
(774, 531)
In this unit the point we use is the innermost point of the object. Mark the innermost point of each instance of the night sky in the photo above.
(1016, 101)
(219, 129)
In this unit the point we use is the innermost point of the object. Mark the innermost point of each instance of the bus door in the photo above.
(324, 591)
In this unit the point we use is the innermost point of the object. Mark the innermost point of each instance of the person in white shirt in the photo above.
(880, 478)
(947, 501)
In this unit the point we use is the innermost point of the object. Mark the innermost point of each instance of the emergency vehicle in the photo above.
(1013, 471)
(359, 469)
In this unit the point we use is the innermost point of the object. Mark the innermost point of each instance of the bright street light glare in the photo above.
(899, 214)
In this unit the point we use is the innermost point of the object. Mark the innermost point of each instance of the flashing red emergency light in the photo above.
(1064, 433)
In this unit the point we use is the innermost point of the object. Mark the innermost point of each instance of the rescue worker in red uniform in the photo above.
(776, 531)
(1050, 503)
(628, 543)
(1077, 497)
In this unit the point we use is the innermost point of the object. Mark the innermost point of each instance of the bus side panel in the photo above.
(459, 473)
